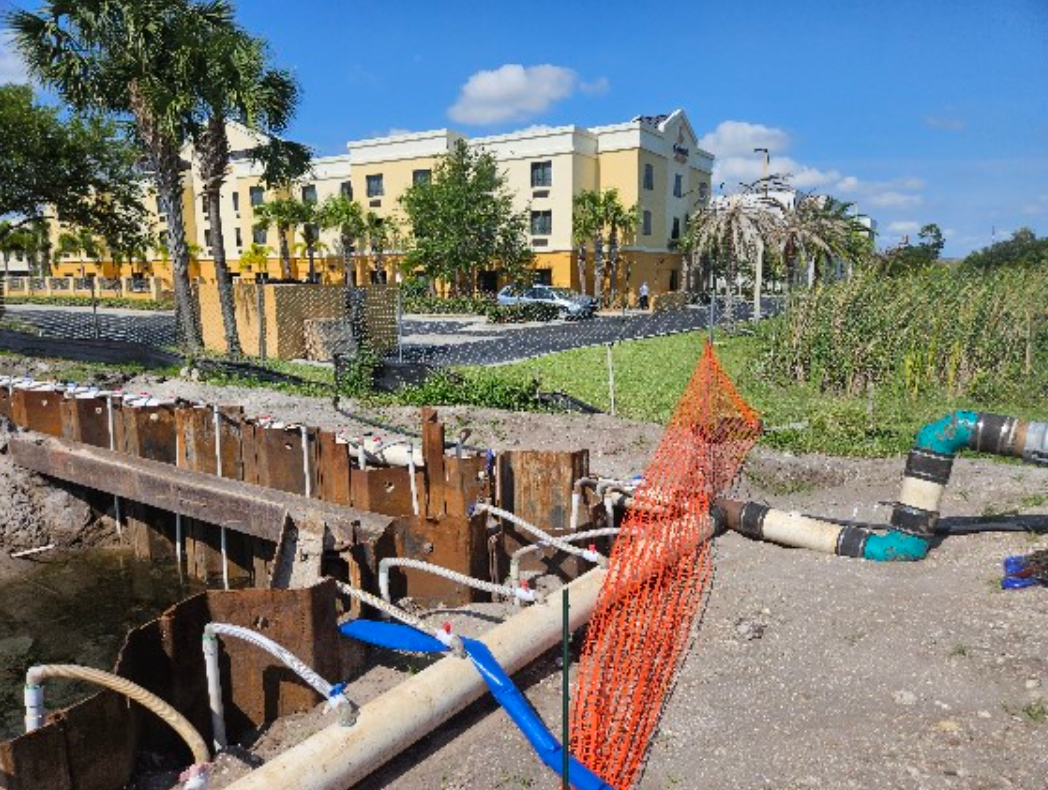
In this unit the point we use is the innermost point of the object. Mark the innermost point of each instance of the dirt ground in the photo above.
(807, 670)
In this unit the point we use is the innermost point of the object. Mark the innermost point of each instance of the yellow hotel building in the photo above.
(653, 161)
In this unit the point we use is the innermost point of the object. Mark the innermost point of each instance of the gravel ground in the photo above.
(807, 671)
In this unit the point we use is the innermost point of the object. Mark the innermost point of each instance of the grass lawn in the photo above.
(650, 376)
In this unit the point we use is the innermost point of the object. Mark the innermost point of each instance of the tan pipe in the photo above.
(338, 757)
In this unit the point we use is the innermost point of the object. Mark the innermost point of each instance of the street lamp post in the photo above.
(764, 177)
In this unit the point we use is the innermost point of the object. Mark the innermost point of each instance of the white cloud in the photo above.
(906, 227)
(1038, 206)
(735, 138)
(12, 69)
(516, 93)
(598, 87)
(944, 123)
(893, 199)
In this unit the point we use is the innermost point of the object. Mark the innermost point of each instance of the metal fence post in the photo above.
(94, 308)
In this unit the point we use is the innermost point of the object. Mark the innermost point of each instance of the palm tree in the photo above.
(286, 214)
(622, 223)
(346, 216)
(83, 243)
(815, 228)
(732, 229)
(125, 57)
(585, 213)
(378, 238)
(233, 81)
(15, 242)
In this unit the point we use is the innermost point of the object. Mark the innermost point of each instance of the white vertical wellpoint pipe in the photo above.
(218, 472)
(112, 446)
(339, 757)
(611, 382)
(214, 690)
(305, 461)
(178, 516)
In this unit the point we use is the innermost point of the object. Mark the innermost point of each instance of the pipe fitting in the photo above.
(1035, 446)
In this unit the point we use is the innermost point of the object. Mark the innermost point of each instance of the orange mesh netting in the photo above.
(658, 574)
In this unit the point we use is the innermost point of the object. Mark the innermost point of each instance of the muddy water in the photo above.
(75, 608)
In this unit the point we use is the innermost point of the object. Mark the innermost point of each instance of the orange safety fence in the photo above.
(658, 574)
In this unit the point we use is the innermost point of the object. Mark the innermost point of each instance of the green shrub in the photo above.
(355, 377)
(87, 301)
(473, 388)
(521, 313)
(440, 305)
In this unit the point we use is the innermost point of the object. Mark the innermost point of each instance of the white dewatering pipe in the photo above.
(515, 592)
(411, 480)
(451, 640)
(337, 758)
(515, 557)
(198, 777)
(555, 542)
(333, 694)
(308, 484)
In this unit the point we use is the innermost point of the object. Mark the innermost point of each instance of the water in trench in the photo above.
(75, 608)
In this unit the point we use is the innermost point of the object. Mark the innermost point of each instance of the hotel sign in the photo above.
(680, 153)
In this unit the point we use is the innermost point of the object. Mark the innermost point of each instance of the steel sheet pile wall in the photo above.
(94, 745)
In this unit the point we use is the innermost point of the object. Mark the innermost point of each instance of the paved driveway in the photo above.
(471, 341)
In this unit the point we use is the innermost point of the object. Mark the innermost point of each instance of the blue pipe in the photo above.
(516, 705)
(524, 716)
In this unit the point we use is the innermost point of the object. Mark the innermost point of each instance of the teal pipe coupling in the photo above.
(950, 434)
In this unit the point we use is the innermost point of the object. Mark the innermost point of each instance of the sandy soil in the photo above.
(807, 671)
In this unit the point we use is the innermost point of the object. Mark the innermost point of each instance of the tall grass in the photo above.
(962, 333)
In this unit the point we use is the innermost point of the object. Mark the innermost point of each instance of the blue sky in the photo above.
(928, 111)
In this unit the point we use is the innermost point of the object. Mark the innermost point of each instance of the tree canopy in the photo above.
(1022, 249)
(463, 221)
(79, 170)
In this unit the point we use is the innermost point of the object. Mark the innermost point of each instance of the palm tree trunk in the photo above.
(729, 300)
(285, 253)
(613, 258)
(580, 262)
(347, 259)
(169, 189)
(225, 282)
(758, 276)
(598, 269)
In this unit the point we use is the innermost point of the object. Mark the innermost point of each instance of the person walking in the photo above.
(642, 295)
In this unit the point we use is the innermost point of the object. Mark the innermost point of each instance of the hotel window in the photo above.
(646, 224)
(309, 193)
(675, 233)
(258, 236)
(678, 185)
(346, 188)
(541, 223)
(207, 239)
(542, 174)
(649, 177)
(240, 238)
(376, 188)
(236, 203)
(205, 205)
(258, 196)
(421, 176)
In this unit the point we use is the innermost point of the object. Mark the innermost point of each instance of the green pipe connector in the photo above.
(950, 434)
(895, 547)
